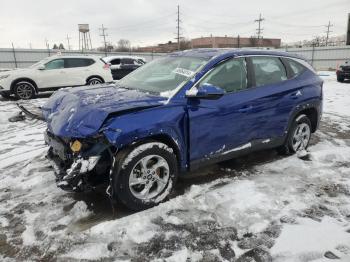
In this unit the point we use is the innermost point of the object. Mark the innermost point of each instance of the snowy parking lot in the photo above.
(261, 207)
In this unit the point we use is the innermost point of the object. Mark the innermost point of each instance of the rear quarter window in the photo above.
(296, 68)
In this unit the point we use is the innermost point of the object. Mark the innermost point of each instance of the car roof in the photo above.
(74, 56)
(108, 58)
(209, 53)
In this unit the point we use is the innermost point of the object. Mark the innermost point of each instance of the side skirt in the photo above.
(244, 149)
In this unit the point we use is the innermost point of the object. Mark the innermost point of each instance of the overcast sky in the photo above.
(144, 22)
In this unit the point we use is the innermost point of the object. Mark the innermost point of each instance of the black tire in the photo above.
(288, 148)
(94, 81)
(129, 160)
(24, 90)
(340, 79)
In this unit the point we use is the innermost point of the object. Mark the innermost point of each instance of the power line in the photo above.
(328, 31)
(103, 34)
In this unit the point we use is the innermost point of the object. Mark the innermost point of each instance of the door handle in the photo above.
(245, 109)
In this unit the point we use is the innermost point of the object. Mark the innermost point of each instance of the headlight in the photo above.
(4, 76)
(75, 146)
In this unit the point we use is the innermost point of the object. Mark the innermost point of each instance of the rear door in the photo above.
(275, 97)
(77, 70)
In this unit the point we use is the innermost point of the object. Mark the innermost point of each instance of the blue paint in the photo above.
(197, 128)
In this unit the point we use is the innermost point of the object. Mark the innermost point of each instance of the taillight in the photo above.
(106, 66)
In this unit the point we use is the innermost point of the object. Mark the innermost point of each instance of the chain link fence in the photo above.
(322, 58)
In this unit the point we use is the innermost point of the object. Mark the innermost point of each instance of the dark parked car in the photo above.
(176, 113)
(123, 65)
(343, 72)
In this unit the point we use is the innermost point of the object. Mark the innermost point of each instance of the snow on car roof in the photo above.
(216, 52)
(109, 58)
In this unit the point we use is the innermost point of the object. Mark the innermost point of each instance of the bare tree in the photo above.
(123, 45)
(185, 44)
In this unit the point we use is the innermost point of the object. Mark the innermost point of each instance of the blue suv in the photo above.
(177, 113)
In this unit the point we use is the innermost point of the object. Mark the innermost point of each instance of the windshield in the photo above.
(163, 75)
(39, 63)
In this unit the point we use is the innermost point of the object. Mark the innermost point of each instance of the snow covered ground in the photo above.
(261, 207)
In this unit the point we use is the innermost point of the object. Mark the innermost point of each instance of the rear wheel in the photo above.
(298, 136)
(24, 90)
(146, 175)
(94, 81)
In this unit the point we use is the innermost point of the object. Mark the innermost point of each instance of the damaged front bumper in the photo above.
(72, 171)
(73, 178)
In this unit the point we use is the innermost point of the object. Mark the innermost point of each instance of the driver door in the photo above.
(218, 126)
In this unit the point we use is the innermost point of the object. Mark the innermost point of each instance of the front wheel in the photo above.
(298, 136)
(24, 90)
(146, 175)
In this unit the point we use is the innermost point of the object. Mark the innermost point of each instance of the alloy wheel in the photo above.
(24, 90)
(149, 177)
(301, 137)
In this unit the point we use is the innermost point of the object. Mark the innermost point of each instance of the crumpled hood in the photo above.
(81, 111)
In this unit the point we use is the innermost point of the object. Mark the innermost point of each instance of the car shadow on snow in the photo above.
(38, 96)
(102, 210)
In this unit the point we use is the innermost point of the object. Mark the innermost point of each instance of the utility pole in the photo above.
(328, 31)
(68, 38)
(103, 34)
(47, 46)
(259, 30)
(14, 55)
(178, 27)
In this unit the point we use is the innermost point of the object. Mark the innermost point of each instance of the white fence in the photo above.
(322, 58)
(20, 58)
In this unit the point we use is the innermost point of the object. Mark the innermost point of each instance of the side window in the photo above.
(78, 62)
(230, 75)
(268, 70)
(55, 64)
(115, 61)
(297, 68)
(127, 61)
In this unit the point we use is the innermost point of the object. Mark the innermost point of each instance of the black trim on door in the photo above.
(250, 72)
(289, 71)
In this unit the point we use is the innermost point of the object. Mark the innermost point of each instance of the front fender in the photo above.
(168, 121)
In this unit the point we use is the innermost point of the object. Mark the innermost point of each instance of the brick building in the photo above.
(234, 42)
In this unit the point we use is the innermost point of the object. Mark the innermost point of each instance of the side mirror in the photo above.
(41, 67)
(205, 91)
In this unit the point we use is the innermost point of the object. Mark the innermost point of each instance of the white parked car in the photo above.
(53, 73)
